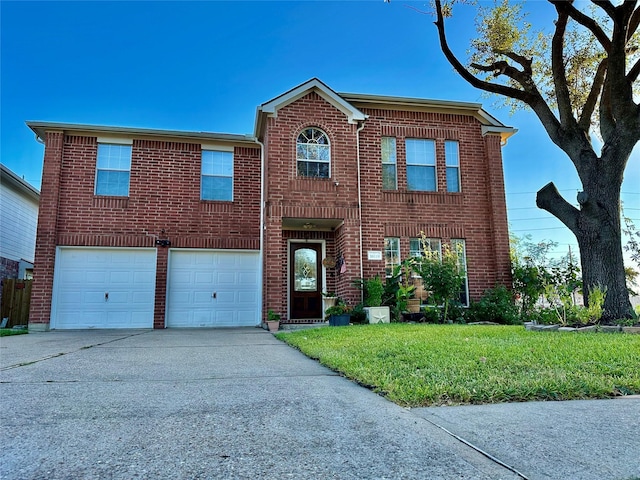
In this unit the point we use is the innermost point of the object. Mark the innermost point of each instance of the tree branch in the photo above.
(468, 76)
(503, 68)
(549, 199)
(531, 96)
(632, 76)
(596, 88)
(634, 22)
(607, 6)
(607, 122)
(558, 68)
(586, 21)
(524, 61)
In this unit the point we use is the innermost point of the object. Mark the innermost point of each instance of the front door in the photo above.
(306, 280)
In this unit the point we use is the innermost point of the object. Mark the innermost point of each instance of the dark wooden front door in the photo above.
(306, 280)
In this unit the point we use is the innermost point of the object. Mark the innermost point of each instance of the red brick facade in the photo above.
(163, 203)
(349, 213)
(477, 214)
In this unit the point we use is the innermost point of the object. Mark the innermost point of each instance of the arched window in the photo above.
(313, 153)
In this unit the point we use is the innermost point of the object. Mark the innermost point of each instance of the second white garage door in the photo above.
(213, 289)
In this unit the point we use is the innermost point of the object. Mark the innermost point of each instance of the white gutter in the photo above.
(360, 128)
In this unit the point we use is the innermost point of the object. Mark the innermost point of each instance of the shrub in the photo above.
(441, 277)
(373, 291)
(431, 314)
(358, 314)
(496, 305)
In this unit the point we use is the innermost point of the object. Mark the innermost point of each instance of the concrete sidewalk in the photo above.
(237, 403)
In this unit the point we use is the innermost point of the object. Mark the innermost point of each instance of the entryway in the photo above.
(305, 280)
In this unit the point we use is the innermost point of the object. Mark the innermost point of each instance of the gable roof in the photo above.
(271, 107)
(10, 179)
(350, 104)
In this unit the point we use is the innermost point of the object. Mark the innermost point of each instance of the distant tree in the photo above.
(582, 77)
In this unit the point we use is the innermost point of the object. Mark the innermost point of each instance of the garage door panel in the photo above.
(203, 278)
(212, 271)
(227, 278)
(202, 298)
(84, 276)
(247, 278)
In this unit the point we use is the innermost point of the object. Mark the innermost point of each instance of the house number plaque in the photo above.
(374, 255)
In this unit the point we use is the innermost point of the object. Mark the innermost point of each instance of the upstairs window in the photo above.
(389, 171)
(421, 165)
(451, 152)
(313, 153)
(113, 169)
(217, 175)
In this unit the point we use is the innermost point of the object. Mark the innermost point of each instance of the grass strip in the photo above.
(420, 365)
(6, 332)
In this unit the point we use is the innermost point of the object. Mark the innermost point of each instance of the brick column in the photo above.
(160, 304)
(46, 237)
(498, 205)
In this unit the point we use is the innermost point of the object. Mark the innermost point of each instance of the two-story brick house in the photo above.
(153, 228)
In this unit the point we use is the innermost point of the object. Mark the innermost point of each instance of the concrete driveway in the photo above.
(238, 403)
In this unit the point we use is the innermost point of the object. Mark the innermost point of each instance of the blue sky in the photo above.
(206, 66)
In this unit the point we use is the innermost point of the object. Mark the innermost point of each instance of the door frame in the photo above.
(323, 270)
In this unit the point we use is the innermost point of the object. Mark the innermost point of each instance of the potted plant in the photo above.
(373, 292)
(273, 321)
(329, 299)
(338, 315)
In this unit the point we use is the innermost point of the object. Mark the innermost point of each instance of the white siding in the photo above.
(18, 224)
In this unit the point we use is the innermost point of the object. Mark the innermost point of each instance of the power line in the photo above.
(538, 229)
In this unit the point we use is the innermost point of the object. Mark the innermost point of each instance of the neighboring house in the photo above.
(18, 222)
(153, 228)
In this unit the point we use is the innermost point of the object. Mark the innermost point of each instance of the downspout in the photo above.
(262, 227)
(360, 128)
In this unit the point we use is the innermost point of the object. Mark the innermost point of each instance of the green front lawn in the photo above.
(419, 365)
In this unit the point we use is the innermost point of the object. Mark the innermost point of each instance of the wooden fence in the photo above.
(16, 298)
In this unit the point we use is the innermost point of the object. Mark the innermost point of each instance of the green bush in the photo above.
(358, 314)
(543, 316)
(431, 314)
(497, 306)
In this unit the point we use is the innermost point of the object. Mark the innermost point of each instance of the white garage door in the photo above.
(104, 288)
(213, 289)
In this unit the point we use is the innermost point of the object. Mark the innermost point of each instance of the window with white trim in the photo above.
(418, 247)
(313, 153)
(389, 170)
(113, 169)
(452, 155)
(216, 175)
(391, 254)
(458, 245)
(421, 164)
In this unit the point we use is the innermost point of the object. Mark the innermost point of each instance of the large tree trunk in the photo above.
(603, 266)
(597, 228)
